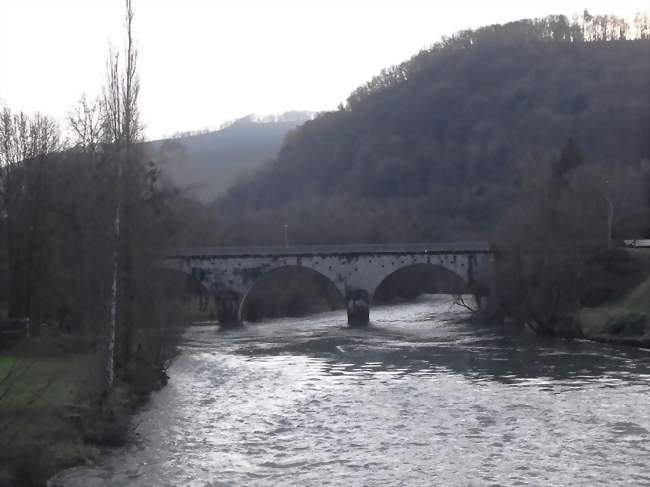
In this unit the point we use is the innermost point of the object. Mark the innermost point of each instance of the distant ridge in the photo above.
(208, 162)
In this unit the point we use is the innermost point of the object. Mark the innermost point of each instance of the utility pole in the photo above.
(610, 219)
(611, 205)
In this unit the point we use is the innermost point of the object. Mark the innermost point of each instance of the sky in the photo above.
(203, 62)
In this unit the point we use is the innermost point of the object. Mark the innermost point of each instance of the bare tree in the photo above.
(25, 144)
(86, 123)
(122, 128)
(23, 137)
(642, 25)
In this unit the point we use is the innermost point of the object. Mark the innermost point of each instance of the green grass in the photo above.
(639, 299)
(43, 381)
(594, 320)
(40, 396)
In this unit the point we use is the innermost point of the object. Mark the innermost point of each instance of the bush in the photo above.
(631, 324)
(609, 274)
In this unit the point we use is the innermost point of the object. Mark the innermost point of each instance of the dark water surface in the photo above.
(418, 398)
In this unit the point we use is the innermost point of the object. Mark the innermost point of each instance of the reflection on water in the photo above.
(418, 398)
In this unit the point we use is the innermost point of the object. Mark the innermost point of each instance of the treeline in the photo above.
(550, 29)
(82, 223)
(83, 220)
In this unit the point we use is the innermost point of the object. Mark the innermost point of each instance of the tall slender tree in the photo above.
(122, 129)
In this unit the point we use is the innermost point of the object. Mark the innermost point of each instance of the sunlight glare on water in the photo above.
(420, 397)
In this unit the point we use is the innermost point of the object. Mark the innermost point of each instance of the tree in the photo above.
(556, 237)
(570, 158)
(26, 145)
(642, 25)
(122, 129)
(547, 236)
(86, 121)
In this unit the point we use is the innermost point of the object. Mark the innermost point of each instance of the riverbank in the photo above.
(626, 320)
(54, 413)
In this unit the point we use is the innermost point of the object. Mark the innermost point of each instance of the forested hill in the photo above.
(439, 139)
(208, 163)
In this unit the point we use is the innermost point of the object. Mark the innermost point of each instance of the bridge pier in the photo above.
(227, 307)
(358, 306)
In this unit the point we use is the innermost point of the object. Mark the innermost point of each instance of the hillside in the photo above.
(432, 148)
(207, 164)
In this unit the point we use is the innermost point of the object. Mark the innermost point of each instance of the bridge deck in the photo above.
(351, 249)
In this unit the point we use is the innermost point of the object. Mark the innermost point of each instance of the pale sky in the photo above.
(205, 62)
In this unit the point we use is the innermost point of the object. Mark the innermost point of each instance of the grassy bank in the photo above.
(625, 320)
(40, 430)
(40, 396)
(54, 411)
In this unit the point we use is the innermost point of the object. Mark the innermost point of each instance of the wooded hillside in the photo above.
(433, 148)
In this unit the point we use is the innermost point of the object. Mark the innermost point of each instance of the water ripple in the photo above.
(419, 398)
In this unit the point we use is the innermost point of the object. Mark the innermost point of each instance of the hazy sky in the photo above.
(205, 62)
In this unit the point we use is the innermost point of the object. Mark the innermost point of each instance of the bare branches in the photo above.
(111, 107)
(86, 123)
(131, 83)
(459, 300)
(23, 137)
(120, 97)
(642, 25)
(123, 128)
(8, 147)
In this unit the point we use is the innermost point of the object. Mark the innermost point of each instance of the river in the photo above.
(420, 397)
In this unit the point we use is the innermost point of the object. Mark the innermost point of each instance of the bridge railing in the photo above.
(410, 248)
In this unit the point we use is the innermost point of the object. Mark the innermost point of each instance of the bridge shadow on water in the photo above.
(414, 339)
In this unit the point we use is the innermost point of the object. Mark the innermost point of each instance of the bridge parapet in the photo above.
(348, 249)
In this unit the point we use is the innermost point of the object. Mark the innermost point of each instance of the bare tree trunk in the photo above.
(121, 120)
(110, 361)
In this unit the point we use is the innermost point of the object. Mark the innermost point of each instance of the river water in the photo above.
(420, 397)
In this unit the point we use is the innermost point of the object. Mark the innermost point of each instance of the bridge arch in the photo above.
(417, 278)
(276, 270)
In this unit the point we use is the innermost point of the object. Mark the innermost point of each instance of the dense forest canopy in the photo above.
(433, 148)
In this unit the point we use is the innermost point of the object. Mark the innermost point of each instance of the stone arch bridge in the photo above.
(229, 273)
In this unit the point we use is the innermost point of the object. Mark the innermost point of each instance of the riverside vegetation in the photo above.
(82, 222)
(532, 135)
